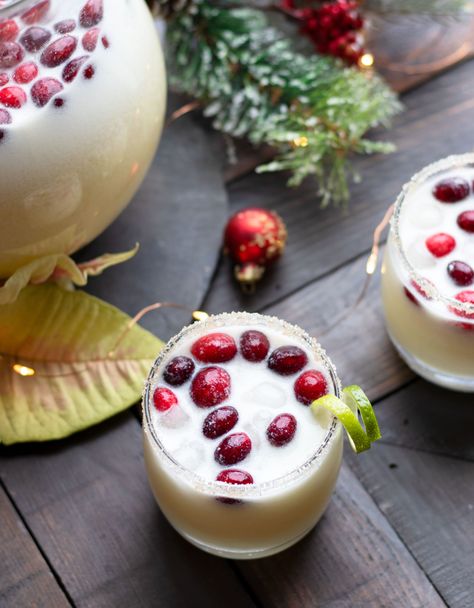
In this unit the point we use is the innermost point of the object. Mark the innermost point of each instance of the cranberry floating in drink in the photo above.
(429, 269)
(244, 453)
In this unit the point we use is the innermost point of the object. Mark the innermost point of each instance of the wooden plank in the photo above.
(25, 578)
(88, 504)
(437, 121)
(429, 499)
(353, 558)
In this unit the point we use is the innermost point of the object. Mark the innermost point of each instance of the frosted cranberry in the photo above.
(65, 27)
(5, 118)
(164, 399)
(178, 370)
(91, 13)
(11, 54)
(44, 89)
(36, 12)
(451, 190)
(34, 38)
(440, 244)
(235, 476)
(220, 421)
(12, 97)
(281, 430)
(461, 273)
(309, 386)
(214, 348)
(72, 68)
(58, 51)
(465, 296)
(4, 78)
(8, 30)
(287, 360)
(210, 387)
(254, 345)
(89, 72)
(58, 102)
(410, 296)
(466, 220)
(89, 40)
(233, 449)
(105, 42)
(25, 73)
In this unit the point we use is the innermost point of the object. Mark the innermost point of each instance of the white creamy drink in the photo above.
(428, 273)
(82, 97)
(237, 461)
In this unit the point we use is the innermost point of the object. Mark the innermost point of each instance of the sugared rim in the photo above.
(450, 162)
(11, 7)
(221, 489)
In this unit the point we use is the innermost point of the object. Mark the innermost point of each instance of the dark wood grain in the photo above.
(429, 499)
(25, 577)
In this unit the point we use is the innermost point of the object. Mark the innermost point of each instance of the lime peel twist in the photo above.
(354, 402)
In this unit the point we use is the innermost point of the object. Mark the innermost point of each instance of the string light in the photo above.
(23, 370)
(200, 315)
(300, 142)
(366, 60)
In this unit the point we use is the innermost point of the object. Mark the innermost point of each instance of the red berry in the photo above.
(44, 89)
(35, 38)
(89, 72)
(309, 386)
(12, 97)
(466, 220)
(440, 244)
(164, 399)
(410, 296)
(4, 78)
(11, 54)
(72, 68)
(89, 40)
(36, 12)
(58, 51)
(178, 370)
(25, 73)
(451, 190)
(91, 13)
(105, 42)
(210, 386)
(234, 448)
(281, 430)
(254, 345)
(287, 360)
(2, 135)
(461, 273)
(8, 30)
(66, 26)
(59, 102)
(420, 289)
(220, 421)
(465, 296)
(214, 348)
(5, 118)
(236, 477)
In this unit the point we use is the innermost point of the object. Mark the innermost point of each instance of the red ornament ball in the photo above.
(254, 238)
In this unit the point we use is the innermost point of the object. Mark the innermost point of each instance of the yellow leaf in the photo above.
(86, 365)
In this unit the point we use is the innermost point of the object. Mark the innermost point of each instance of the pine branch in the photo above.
(311, 109)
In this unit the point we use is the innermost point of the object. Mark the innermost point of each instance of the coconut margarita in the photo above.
(237, 459)
(428, 273)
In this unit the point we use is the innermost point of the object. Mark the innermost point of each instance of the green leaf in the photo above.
(89, 364)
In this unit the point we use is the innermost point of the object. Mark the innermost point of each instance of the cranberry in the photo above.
(72, 68)
(220, 421)
(58, 51)
(12, 97)
(465, 296)
(164, 399)
(105, 42)
(89, 72)
(89, 40)
(25, 73)
(451, 190)
(35, 38)
(65, 27)
(11, 54)
(281, 429)
(410, 296)
(461, 273)
(178, 371)
(58, 102)
(235, 477)
(234, 448)
(8, 30)
(210, 386)
(44, 89)
(4, 78)
(466, 220)
(36, 12)
(420, 289)
(254, 345)
(440, 244)
(2, 135)
(309, 386)
(287, 360)
(91, 13)
(214, 348)
(5, 118)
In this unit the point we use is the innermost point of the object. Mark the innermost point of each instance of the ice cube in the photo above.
(174, 418)
(262, 418)
(427, 215)
(190, 454)
(254, 433)
(267, 394)
(419, 256)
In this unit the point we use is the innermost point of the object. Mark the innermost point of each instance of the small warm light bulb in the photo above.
(23, 370)
(200, 315)
(366, 60)
(300, 142)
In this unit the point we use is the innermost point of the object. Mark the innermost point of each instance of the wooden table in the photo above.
(79, 526)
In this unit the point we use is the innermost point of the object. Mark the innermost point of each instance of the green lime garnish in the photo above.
(354, 402)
